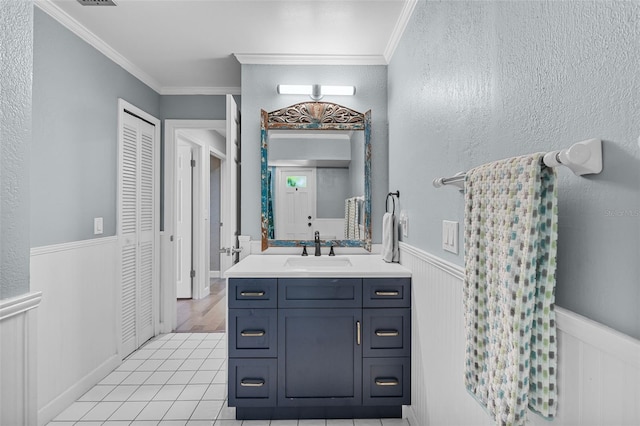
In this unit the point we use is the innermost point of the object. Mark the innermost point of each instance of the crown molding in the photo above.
(398, 30)
(200, 91)
(292, 59)
(83, 32)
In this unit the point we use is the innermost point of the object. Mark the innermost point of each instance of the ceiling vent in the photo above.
(97, 2)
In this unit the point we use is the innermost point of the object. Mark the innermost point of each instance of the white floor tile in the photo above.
(228, 423)
(255, 423)
(142, 354)
(155, 410)
(221, 377)
(283, 423)
(181, 410)
(203, 377)
(216, 392)
(193, 393)
(171, 365)
(211, 364)
(164, 353)
(102, 411)
(191, 364)
(159, 378)
(395, 422)
(208, 344)
(130, 365)
(218, 353)
(207, 410)
(181, 353)
(200, 353)
(226, 412)
(144, 423)
(169, 393)
(128, 411)
(150, 365)
(190, 344)
(115, 378)
(172, 423)
(154, 344)
(54, 423)
(172, 344)
(180, 336)
(97, 393)
(340, 422)
(137, 378)
(83, 423)
(75, 411)
(312, 422)
(120, 393)
(367, 422)
(199, 423)
(145, 393)
(181, 377)
(112, 423)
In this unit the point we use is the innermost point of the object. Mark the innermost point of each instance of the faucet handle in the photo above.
(304, 250)
(331, 253)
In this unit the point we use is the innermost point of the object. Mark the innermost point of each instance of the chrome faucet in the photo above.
(317, 243)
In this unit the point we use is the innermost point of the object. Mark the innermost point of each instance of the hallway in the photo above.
(176, 379)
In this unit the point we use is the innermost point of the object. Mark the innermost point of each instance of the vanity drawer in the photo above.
(387, 292)
(253, 333)
(252, 382)
(319, 292)
(253, 293)
(386, 381)
(386, 332)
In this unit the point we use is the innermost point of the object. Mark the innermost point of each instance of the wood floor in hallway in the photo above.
(206, 315)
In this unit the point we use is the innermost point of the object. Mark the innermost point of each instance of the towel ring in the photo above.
(393, 199)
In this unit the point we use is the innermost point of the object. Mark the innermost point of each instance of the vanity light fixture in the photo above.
(315, 91)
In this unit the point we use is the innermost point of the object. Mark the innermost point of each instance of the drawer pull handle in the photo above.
(387, 293)
(387, 382)
(252, 293)
(252, 383)
(252, 333)
(387, 333)
(358, 339)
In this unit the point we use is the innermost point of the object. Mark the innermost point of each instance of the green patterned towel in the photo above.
(510, 261)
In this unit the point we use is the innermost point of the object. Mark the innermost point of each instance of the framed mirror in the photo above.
(316, 176)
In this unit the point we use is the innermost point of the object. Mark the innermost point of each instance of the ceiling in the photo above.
(197, 46)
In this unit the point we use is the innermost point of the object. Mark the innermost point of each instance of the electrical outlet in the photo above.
(450, 236)
(98, 225)
(404, 222)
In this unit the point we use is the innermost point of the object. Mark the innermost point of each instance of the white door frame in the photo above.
(200, 217)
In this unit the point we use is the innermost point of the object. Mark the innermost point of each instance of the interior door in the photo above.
(230, 224)
(137, 230)
(295, 210)
(184, 219)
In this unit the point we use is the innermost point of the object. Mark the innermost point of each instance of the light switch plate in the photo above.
(450, 236)
(97, 225)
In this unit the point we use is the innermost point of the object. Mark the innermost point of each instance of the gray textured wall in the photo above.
(16, 45)
(473, 82)
(193, 107)
(259, 92)
(74, 158)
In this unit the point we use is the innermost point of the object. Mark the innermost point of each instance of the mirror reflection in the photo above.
(315, 176)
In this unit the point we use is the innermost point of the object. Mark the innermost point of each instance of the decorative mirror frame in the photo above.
(315, 116)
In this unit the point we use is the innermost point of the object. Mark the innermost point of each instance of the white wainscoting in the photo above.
(18, 385)
(77, 341)
(598, 372)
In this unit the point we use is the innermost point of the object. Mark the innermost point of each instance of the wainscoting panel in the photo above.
(598, 372)
(76, 332)
(17, 359)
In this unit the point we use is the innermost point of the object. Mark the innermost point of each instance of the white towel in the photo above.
(390, 252)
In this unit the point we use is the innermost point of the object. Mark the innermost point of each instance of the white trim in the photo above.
(19, 304)
(66, 398)
(601, 337)
(74, 245)
(398, 30)
(85, 34)
(204, 90)
(214, 274)
(450, 268)
(268, 59)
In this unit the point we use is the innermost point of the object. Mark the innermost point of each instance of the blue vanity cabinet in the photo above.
(319, 347)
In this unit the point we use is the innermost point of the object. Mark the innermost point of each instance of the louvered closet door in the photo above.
(137, 220)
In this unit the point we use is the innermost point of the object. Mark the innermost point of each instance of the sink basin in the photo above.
(314, 262)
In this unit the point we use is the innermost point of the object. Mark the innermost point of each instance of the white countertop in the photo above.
(271, 266)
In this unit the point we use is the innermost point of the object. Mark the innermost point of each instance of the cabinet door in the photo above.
(319, 357)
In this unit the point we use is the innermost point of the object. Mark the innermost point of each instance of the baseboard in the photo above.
(68, 397)
(214, 274)
(410, 415)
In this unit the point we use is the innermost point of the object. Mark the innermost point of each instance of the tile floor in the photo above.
(175, 379)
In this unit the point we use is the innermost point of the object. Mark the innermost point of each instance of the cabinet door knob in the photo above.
(252, 383)
(252, 293)
(252, 333)
(387, 293)
(387, 382)
(387, 333)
